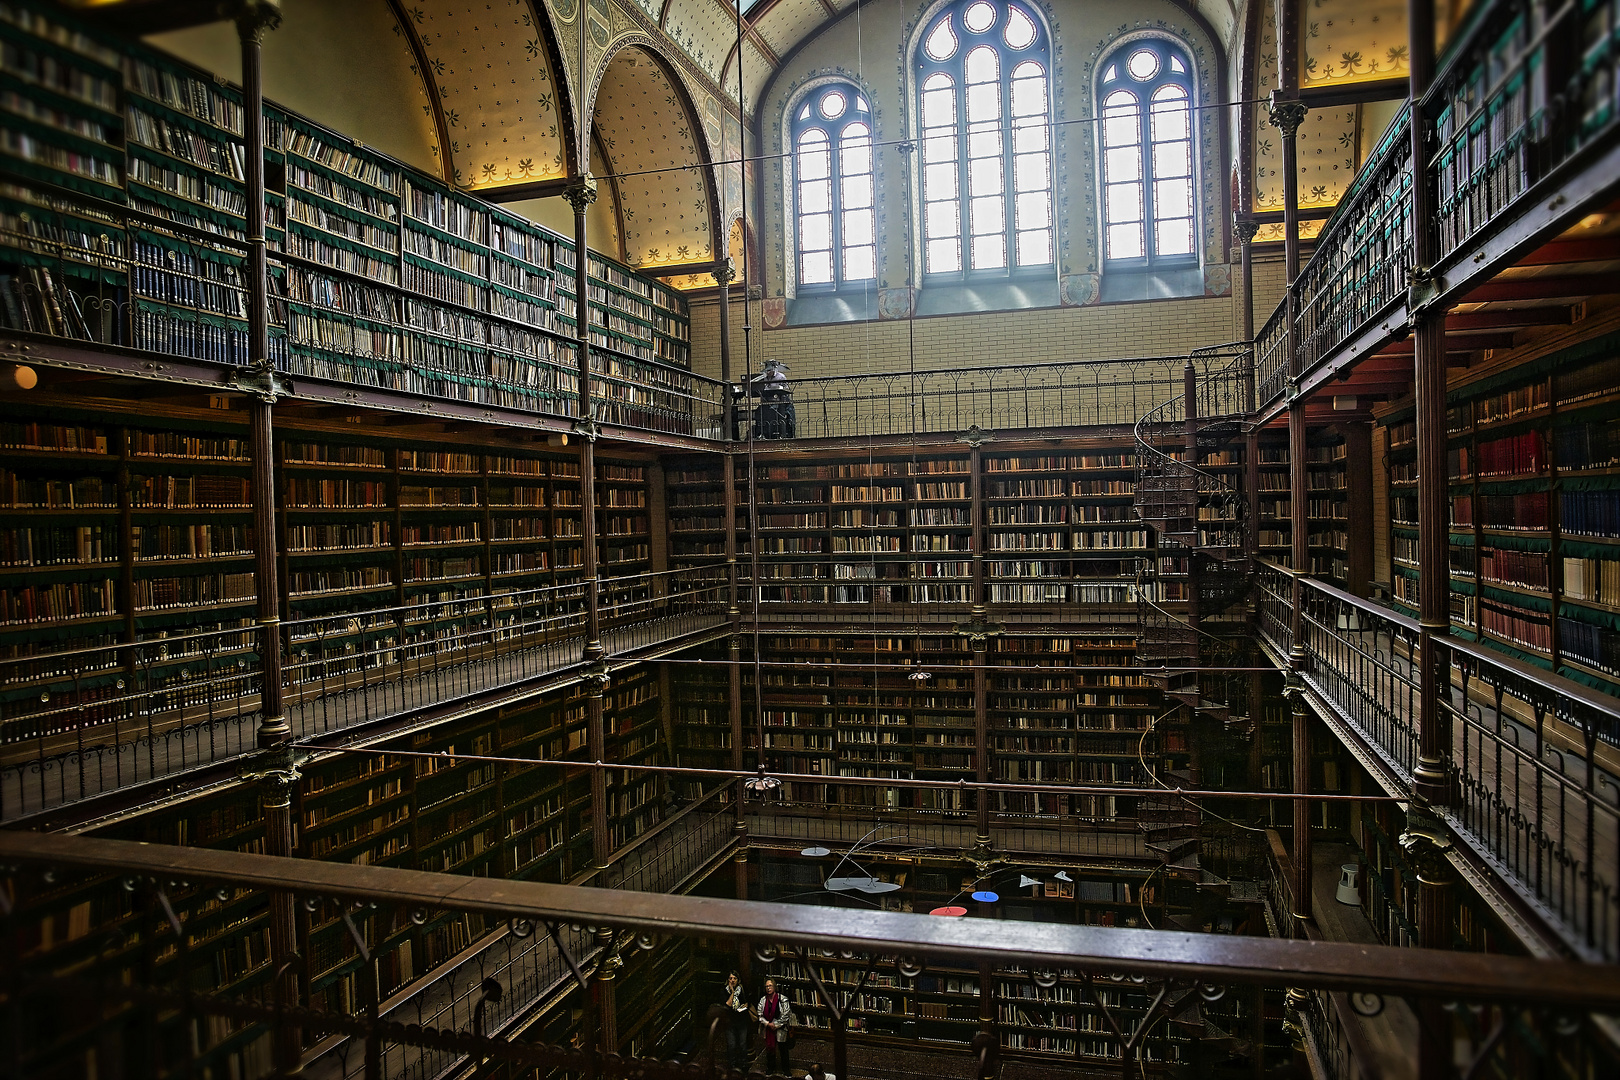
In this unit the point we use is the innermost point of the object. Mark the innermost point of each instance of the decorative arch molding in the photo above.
(781, 147)
(430, 89)
(677, 244)
(551, 35)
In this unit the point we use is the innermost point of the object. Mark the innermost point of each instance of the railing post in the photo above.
(1299, 528)
(1429, 778)
(580, 195)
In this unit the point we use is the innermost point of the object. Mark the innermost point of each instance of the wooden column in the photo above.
(1429, 778)
(1287, 113)
(1425, 845)
(580, 195)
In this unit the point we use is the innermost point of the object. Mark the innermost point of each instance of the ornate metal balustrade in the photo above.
(1009, 397)
(1273, 356)
(139, 980)
(1535, 789)
(1364, 255)
(530, 968)
(83, 722)
(1529, 88)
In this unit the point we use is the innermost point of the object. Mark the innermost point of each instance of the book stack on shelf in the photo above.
(1327, 511)
(381, 276)
(1534, 501)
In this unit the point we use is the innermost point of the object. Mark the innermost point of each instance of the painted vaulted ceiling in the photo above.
(490, 66)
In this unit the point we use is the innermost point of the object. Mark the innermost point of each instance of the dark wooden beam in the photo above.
(1504, 290)
(1274, 217)
(681, 269)
(138, 17)
(1332, 97)
(1455, 343)
(1512, 317)
(533, 189)
(1589, 249)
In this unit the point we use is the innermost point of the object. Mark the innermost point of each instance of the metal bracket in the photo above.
(261, 382)
(1422, 290)
(979, 631)
(277, 770)
(1425, 844)
(981, 856)
(598, 677)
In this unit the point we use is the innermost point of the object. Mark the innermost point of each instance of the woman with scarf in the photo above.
(776, 1016)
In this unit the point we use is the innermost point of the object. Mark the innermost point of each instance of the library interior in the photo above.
(631, 492)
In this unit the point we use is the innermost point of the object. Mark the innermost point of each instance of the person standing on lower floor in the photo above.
(736, 1005)
(776, 1016)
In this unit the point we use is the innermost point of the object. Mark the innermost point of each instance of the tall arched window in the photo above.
(832, 166)
(1149, 195)
(984, 103)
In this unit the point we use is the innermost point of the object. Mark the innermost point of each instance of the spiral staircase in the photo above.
(1203, 569)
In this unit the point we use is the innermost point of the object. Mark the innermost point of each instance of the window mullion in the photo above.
(1009, 178)
(1150, 217)
(964, 198)
(835, 202)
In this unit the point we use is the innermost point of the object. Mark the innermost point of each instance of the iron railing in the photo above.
(530, 968)
(139, 978)
(1523, 95)
(1031, 397)
(82, 722)
(1363, 256)
(1532, 788)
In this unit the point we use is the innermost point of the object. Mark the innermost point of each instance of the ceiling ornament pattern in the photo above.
(706, 30)
(501, 104)
(1327, 145)
(646, 131)
(1351, 41)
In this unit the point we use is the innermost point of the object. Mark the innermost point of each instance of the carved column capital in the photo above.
(581, 193)
(725, 273)
(1286, 114)
(1424, 843)
(255, 18)
(276, 772)
(1246, 229)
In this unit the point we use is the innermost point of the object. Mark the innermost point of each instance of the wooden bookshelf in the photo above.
(1534, 495)
(380, 276)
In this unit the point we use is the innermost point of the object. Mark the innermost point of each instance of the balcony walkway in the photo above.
(1539, 809)
(327, 698)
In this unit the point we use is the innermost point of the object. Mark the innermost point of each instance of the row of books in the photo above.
(1518, 455)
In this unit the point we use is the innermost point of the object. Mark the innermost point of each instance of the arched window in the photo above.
(832, 166)
(1149, 195)
(984, 103)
